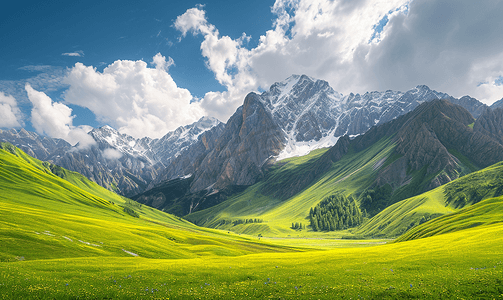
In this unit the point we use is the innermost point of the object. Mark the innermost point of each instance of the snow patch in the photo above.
(294, 148)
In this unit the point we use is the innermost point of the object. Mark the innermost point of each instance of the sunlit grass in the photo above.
(45, 216)
(465, 264)
(68, 239)
(346, 176)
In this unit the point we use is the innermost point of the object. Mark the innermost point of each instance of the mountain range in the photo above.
(116, 161)
(208, 160)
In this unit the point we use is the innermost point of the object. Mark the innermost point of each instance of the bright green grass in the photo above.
(487, 212)
(399, 217)
(396, 219)
(44, 216)
(467, 264)
(349, 176)
(346, 176)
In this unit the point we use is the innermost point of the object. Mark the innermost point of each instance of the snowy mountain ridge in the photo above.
(313, 115)
(118, 161)
(291, 118)
(153, 150)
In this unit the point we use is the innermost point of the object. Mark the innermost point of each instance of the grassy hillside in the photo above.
(347, 176)
(45, 216)
(465, 264)
(404, 215)
(354, 175)
(61, 241)
(487, 212)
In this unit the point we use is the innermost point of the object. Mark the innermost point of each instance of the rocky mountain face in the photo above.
(291, 118)
(117, 161)
(434, 145)
(40, 147)
(301, 114)
(490, 123)
(249, 140)
(434, 139)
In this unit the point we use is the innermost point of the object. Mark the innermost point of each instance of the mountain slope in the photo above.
(309, 115)
(391, 162)
(45, 216)
(487, 212)
(117, 161)
(490, 123)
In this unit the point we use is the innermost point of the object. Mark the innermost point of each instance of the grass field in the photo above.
(467, 264)
(45, 216)
(67, 238)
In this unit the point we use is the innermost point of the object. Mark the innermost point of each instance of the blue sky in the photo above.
(104, 31)
(101, 32)
(148, 67)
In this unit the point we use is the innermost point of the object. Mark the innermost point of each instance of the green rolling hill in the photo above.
(444, 200)
(45, 216)
(64, 237)
(484, 213)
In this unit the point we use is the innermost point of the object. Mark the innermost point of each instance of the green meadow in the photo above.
(64, 237)
(346, 176)
(467, 264)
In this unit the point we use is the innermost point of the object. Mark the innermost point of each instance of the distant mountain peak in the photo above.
(108, 127)
(423, 87)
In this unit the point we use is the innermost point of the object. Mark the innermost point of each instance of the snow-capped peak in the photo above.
(313, 115)
(306, 110)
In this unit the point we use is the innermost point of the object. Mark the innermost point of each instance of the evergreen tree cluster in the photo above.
(335, 212)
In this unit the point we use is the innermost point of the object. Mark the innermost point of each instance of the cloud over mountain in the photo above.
(55, 119)
(133, 97)
(359, 46)
(9, 112)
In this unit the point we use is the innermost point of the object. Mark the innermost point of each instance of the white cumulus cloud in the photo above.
(55, 119)
(138, 100)
(359, 46)
(9, 112)
(226, 57)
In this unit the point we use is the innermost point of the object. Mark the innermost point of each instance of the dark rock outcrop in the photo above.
(490, 123)
(472, 105)
(249, 140)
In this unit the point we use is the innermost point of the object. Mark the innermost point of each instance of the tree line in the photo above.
(335, 212)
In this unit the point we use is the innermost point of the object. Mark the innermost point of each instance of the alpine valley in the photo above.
(402, 192)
